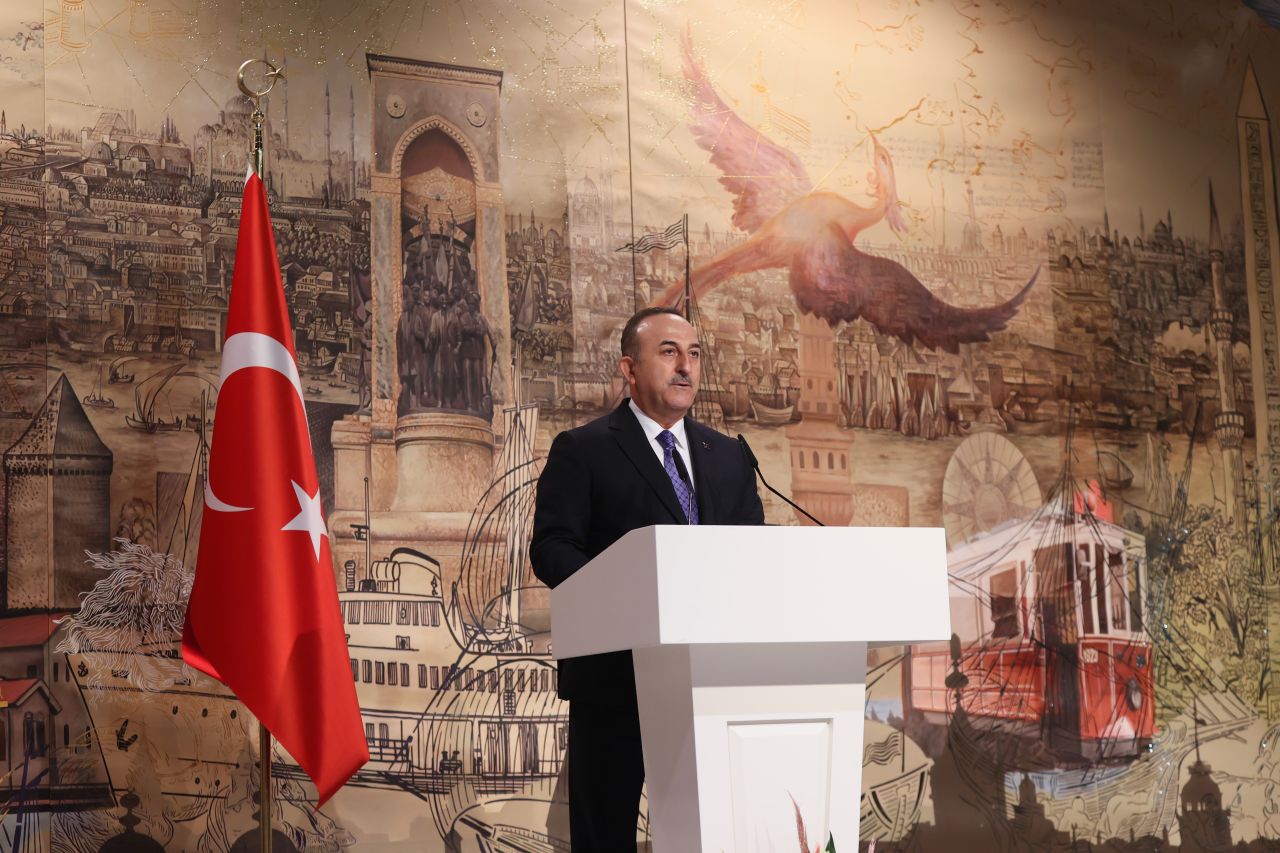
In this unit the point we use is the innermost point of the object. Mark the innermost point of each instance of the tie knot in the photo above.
(667, 440)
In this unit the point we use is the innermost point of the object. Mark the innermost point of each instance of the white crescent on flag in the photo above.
(253, 349)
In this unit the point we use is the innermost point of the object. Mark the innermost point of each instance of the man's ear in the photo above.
(625, 364)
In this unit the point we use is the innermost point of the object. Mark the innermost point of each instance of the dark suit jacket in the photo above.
(601, 481)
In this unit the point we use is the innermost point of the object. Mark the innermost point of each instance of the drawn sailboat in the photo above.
(145, 396)
(96, 398)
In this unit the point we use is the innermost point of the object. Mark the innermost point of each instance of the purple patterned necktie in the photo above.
(684, 492)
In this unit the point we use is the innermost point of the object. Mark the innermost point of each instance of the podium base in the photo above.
(741, 739)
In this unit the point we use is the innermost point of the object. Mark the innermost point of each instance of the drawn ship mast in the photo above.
(145, 396)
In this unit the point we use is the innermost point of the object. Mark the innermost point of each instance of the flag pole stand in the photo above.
(264, 788)
(272, 74)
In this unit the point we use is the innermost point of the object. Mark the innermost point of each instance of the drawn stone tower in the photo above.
(58, 505)
(821, 473)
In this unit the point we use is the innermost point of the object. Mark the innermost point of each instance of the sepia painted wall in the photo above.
(1003, 267)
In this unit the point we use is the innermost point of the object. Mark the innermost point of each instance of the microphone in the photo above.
(680, 469)
(755, 464)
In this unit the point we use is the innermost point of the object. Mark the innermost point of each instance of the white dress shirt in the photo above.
(652, 428)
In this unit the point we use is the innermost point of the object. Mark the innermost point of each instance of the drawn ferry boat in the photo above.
(458, 699)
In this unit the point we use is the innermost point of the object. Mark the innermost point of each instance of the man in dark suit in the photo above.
(647, 462)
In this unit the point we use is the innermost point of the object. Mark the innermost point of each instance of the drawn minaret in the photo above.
(284, 96)
(352, 153)
(1228, 424)
(1261, 245)
(328, 144)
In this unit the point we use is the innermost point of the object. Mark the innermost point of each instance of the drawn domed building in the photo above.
(1205, 825)
(131, 841)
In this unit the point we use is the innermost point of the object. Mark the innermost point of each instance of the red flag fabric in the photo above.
(263, 616)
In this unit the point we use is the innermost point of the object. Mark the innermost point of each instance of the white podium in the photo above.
(750, 648)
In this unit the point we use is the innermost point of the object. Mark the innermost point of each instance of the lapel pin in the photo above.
(706, 445)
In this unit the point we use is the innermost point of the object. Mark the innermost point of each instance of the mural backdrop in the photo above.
(1001, 267)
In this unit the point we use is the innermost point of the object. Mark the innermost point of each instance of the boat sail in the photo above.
(145, 396)
(96, 398)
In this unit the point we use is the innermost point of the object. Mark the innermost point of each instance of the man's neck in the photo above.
(662, 421)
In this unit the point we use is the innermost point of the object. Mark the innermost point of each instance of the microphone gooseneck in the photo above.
(755, 465)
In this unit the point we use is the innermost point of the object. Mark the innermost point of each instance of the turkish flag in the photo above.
(263, 616)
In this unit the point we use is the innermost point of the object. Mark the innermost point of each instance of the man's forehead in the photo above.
(667, 327)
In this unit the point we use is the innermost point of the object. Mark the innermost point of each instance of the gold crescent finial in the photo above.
(272, 75)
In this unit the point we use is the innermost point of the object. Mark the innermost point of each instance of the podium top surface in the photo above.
(677, 584)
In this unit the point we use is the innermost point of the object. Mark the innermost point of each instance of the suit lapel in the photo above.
(630, 437)
(704, 460)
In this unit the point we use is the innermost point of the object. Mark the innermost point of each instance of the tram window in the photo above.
(355, 670)
(1083, 562)
(366, 669)
(1103, 586)
(1119, 607)
(435, 678)
(1135, 596)
(1004, 604)
(404, 675)
(380, 672)
(422, 675)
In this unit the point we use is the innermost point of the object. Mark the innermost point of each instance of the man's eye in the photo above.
(695, 354)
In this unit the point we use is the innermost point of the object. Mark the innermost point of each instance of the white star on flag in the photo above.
(308, 519)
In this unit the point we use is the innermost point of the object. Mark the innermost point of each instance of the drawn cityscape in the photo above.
(1106, 462)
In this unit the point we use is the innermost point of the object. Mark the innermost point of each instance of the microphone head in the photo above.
(746, 448)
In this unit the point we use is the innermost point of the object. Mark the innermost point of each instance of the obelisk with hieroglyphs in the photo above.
(1261, 246)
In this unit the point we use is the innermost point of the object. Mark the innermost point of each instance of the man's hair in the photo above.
(629, 330)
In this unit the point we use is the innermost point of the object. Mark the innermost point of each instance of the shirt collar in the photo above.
(652, 428)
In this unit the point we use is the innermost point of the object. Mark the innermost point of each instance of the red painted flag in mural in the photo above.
(263, 616)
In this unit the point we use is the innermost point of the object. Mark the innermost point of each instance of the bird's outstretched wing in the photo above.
(763, 176)
(836, 281)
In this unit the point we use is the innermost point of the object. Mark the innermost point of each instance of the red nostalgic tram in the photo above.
(1050, 616)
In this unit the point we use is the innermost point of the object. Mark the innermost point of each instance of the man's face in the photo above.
(663, 375)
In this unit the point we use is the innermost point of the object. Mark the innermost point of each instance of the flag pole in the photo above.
(264, 734)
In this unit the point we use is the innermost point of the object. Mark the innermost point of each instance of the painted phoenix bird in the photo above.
(810, 232)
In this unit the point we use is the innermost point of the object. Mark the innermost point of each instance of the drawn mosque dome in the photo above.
(988, 481)
(250, 843)
(131, 841)
(101, 152)
(238, 105)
